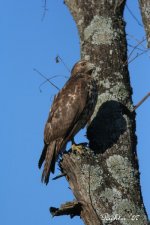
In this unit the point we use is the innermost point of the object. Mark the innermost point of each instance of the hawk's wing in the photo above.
(66, 109)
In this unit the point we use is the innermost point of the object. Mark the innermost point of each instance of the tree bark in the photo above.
(105, 177)
(145, 11)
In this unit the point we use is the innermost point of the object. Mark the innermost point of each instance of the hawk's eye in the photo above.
(83, 64)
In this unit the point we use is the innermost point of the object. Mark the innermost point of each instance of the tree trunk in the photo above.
(145, 10)
(105, 178)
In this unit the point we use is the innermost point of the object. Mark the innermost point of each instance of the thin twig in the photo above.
(45, 10)
(137, 55)
(141, 102)
(135, 39)
(127, 62)
(133, 16)
(59, 176)
(135, 48)
(48, 80)
(57, 61)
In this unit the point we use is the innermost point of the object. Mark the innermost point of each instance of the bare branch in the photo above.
(45, 10)
(137, 55)
(143, 51)
(136, 47)
(145, 7)
(141, 102)
(69, 208)
(59, 176)
(139, 43)
(47, 80)
(138, 22)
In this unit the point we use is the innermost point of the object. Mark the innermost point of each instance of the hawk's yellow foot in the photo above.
(77, 148)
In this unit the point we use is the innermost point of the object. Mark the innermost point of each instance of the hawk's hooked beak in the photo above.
(90, 67)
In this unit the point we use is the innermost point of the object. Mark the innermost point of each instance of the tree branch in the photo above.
(141, 102)
(69, 208)
(145, 11)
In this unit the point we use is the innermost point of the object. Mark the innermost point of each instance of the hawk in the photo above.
(70, 112)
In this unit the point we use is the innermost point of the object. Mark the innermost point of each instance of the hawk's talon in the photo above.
(77, 148)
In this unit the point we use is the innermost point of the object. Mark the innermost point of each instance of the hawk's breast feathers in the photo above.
(71, 110)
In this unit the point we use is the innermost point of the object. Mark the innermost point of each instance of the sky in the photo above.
(28, 43)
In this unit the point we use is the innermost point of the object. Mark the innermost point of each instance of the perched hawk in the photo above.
(71, 110)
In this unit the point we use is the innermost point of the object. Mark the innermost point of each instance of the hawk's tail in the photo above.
(50, 160)
(42, 157)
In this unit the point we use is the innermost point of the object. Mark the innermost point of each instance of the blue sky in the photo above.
(27, 43)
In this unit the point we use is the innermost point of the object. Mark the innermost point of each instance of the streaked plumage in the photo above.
(71, 110)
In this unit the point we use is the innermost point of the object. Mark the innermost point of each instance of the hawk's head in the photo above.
(82, 66)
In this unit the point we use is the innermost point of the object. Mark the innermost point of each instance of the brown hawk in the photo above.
(71, 110)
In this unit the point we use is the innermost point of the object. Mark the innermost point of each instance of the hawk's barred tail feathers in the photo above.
(50, 160)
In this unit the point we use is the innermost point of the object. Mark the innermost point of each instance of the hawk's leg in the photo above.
(76, 148)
